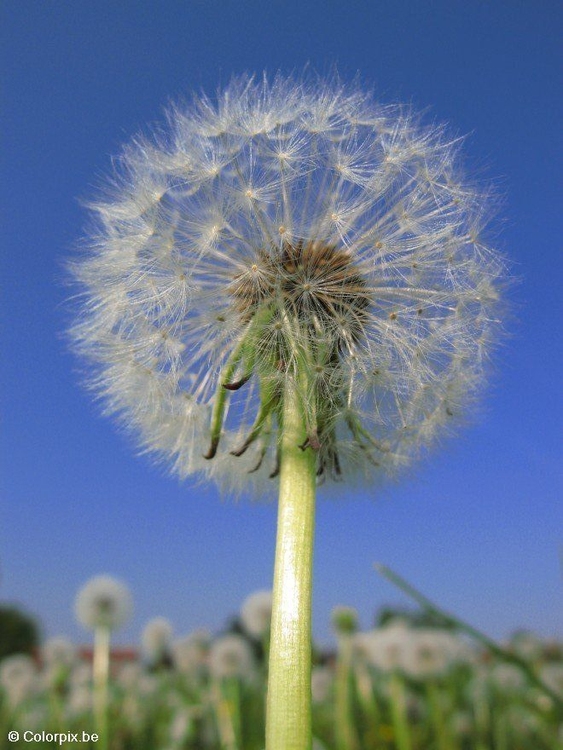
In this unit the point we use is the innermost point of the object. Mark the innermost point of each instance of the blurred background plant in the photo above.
(414, 681)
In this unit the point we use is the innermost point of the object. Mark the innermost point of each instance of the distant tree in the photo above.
(19, 633)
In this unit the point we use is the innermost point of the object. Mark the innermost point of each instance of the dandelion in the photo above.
(344, 620)
(58, 651)
(231, 662)
(102, 604)
(58, 657)
(433, 652)
(231, 656)
(256, 614)
(387, 649)
(191, 653)
(291, 281)
(18, 678)
(156, 641)
(322, 679)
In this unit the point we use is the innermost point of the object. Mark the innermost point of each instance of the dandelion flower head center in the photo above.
(313, 283)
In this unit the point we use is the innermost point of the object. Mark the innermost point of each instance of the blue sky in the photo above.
(478, 526)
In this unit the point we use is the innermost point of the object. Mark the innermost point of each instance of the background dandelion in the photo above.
(87, 84)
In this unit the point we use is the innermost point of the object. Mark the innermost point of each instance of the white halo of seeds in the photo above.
(214, 202)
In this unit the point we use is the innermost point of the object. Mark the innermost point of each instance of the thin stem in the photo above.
(288, 708)
(101, 676)
(436, 716)
(224, 715)
(399, 718)
(368, 701)
(344, 726)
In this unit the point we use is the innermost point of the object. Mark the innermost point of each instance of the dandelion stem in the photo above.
(101, 675)
(344, 726)
(437, 716)
(288, 710)
(399, 717)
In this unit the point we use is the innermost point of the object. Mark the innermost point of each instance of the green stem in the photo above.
(101, 676)
(500, 732)
(437, 716)
(344, 727)
(399, 718)
(223, 709)
(368, 702)
(288, 707)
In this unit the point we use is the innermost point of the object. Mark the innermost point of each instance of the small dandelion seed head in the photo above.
(289, 225)
(256, 613)
(191, 652)
(156, 639)
(18, 678)
(231, 656)
(103, 602)
(58, 651)
(344, 620)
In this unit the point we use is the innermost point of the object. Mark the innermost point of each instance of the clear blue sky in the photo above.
(479, 526)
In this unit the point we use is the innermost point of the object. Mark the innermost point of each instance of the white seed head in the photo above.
(388, 648)
(79, 701)
(58, 651)
(231, 656)
(507, 677)
(256, 613)
(103, 602)
(191, 652)
(288, 227)
(322, 679)
(432, 652)
(18, 678)
(156, 638)
(552, 675)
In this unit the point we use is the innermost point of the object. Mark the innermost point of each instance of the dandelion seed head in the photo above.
(18, 678)
(58, 651)
(191, 652)
(322, 679)
(256, 613)
(231, 656)
(103, 602)
(289, 226)
(344, 620)
(156, 639)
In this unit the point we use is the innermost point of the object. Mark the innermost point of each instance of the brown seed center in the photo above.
(315, 282)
